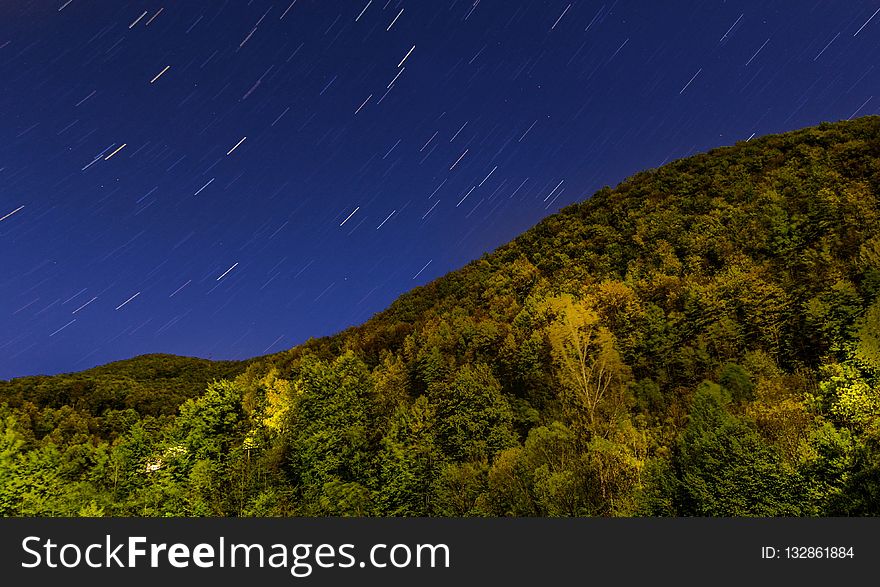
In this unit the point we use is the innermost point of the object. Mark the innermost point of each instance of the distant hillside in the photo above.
(149, 385)
(703, 339)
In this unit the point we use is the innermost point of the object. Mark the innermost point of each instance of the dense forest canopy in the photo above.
(703, 339)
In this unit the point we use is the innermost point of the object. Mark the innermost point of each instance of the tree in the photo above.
(328, 430)
(459, 488)
(593, 376)
(410, 461)
(724, 468)
(474, 419)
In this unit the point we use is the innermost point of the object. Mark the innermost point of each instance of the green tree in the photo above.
(474, 419)
(410, 461)
(724, 468)
(329, 439)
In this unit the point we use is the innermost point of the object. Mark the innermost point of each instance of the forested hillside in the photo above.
(703, 339)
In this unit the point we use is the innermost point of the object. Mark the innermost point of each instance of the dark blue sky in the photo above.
(228, 178)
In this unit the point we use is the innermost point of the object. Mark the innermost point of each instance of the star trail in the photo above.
(229, 178)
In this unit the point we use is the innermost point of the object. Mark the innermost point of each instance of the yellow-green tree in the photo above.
(593, 376)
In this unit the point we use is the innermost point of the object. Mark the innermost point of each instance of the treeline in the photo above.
(703, 339)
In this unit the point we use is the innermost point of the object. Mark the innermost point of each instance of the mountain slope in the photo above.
(777, 207)
(700, 340)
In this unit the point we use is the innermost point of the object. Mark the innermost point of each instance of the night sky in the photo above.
(226, 179)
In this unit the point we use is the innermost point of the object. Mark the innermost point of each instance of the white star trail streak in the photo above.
(458, 131)
(487, 177)
(405, 57)
(465, 196)
(395, 20)
(866, 22)
(460, 157)
(423, 268)
(128, 300)
(122, 146)
(758, 51)
(225, 273)
(349, 216)
(152, 18)
(386, 220)
(274, 342)
(429, 141)
(554, 190)
(826, 47)
(364, 103)
(11, 213)
(84, 305)
(527, 131)
(137, 20)
(430, 209)
(724, 36)
(160, 74)
(395, 77)
(560, 17)
(210, 181)
(63, 327)
(229, 152)
(283, 14)
(176, 291)
(364, 10)
(689, 82)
